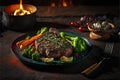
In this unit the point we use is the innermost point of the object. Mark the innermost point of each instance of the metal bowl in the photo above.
(19, 22)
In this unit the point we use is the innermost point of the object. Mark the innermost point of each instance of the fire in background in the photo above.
(61, 3)
(21, 11)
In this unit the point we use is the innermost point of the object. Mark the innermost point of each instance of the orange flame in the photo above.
(21, 11)
(21, 6)
(64, 3)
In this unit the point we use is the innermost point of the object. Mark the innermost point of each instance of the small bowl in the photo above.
(19, 22)
(100, 34)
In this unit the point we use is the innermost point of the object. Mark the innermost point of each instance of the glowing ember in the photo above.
(21, 11)
(53, 4)
(64, 3)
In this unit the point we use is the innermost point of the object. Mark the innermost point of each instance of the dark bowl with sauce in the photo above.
(24, 22)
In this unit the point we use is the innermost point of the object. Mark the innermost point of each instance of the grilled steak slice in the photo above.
(52, 45)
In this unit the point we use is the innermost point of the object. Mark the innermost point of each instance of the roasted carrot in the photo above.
(24, 43)
(19, 43)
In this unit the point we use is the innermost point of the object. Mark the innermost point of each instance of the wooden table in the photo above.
(11, 67)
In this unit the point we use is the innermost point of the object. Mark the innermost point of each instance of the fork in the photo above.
(108, 52)
(108, 49)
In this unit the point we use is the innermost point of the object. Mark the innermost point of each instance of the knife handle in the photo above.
(93, 70)
(86, 71)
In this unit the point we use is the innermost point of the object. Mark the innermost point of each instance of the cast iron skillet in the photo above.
(55, 66)
(19, 23)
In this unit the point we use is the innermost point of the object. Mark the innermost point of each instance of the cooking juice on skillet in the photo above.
(52, 46)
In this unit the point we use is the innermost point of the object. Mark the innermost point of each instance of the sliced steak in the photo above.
(52, 45)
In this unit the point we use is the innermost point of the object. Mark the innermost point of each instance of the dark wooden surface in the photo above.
(11, 67)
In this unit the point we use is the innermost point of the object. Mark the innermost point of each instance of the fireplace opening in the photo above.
(63, 3)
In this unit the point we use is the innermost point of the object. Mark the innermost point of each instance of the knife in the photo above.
(95, 69)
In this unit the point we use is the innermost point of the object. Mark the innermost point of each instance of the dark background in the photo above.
(75, 2)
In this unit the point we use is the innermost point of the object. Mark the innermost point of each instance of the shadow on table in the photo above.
(37, 26)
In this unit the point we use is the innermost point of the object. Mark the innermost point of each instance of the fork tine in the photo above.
(109, 48)
(106, 48)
